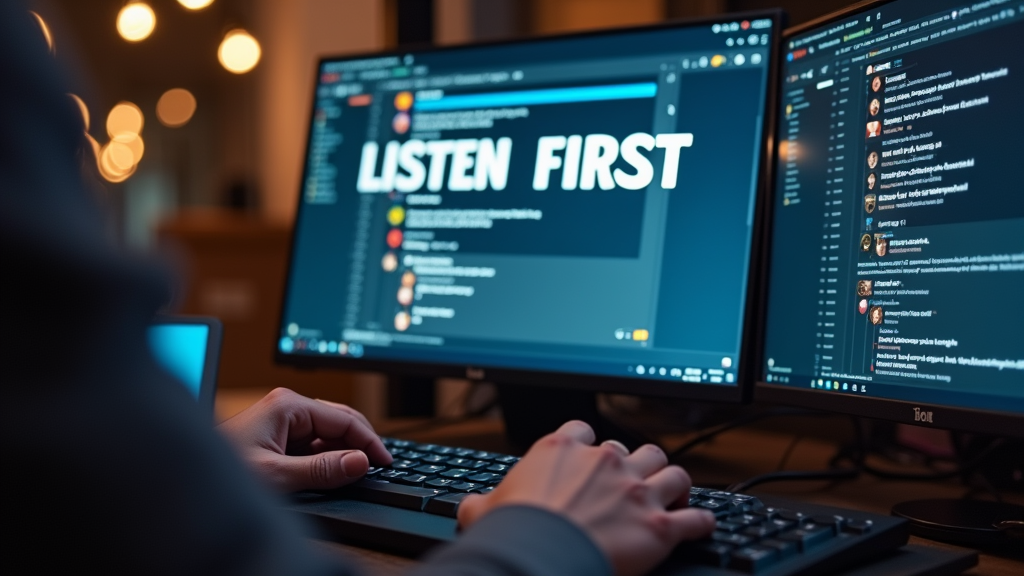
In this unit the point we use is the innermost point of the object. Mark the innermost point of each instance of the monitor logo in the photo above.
(923, 416)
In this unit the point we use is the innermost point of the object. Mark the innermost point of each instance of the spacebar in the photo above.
(389, 494)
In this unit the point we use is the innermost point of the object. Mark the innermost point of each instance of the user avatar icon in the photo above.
(877, 316)
(865, 243)
(874, 107)
(869, 203)
(402, 321)
(405, 295)
(862, 306)
(409, 279)
(881, 245)
(874, 129)
(401, 123)
(403, 101)
(870, 70)
(865, 287)
(872, 179)
(389, 262)
(872, 160)
(876, 83)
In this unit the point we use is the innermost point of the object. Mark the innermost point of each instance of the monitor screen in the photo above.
(579, 205)
(897, 259)
(181, 350)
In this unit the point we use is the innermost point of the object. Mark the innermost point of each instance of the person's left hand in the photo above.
(296, 443)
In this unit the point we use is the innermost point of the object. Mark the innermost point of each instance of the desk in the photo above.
(733, 456)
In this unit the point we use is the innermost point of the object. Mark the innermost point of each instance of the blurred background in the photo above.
(197, 114)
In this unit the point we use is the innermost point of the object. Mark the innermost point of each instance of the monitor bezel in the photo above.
(211, 360)
(940, 416)
(740, 392)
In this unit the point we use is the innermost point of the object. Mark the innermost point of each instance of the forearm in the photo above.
(519, 541)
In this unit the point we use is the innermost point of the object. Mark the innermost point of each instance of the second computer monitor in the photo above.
(577, 211)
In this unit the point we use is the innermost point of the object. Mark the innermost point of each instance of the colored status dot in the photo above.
(641, 335)
(394, 238)
(396, 215)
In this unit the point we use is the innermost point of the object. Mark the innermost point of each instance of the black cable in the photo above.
(789, 451)
(709, 433)
(804, 475)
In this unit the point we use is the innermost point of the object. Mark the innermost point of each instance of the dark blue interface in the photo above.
(580, 205)
(898, 250)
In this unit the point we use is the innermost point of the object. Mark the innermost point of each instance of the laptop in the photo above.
(188, 347)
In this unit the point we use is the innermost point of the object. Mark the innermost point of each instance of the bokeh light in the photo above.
(46, 30)
(82, 108)
(134, 143)
(175, 107)
(195, 4)
(239, 52)
(124, 118)
(111, 157)
(136, 21)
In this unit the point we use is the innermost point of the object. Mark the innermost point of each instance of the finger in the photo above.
(317, 472)
(316, 419)
(470, 510)
(647, 460)
(577, 430)
(619, 446)
(670, 485)
(689, 524)
(350, 410)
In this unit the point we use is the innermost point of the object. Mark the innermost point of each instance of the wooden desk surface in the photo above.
(733, 456)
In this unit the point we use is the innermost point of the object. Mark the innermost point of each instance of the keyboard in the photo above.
(410, 506)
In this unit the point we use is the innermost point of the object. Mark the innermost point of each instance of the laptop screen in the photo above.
(181, 350)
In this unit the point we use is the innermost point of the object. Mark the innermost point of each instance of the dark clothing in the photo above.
(108, 464)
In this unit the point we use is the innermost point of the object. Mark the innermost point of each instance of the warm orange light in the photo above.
(239, 52)
(175, 107)
(136, 21)
(82, 108)
(46, 30)
(111, 157)
(125, 118)
(134, 144)
(195, 4)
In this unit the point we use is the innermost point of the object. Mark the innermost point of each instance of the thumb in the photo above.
(319, 471)
(470, 510)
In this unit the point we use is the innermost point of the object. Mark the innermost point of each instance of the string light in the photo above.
(239, 52)
(195, 4)
(175, 107)
(136, 21)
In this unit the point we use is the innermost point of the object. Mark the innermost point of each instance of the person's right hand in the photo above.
(631, 505)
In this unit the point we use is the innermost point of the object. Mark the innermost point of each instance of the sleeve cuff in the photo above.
(520, 541)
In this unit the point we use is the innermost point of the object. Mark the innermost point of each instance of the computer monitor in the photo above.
(575, 211)
(896, 285)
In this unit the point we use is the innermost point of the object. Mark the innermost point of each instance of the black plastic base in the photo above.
(966, 522)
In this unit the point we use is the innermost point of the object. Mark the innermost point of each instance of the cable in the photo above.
(780, 476)
(787, 453)
(709, 433)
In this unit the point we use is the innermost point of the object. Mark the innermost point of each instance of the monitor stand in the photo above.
(965, 522)
(531, 412)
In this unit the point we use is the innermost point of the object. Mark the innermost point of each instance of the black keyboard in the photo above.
(754, 535)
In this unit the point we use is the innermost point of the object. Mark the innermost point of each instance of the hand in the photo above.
(631, 505)
(296, 443)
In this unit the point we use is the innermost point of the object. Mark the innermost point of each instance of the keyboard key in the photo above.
(732, 539)
(858, 526)
(413, 479)
(783, 548)
(807, 537)
(390, 494)
(729, 527)
(410, 455)
(433, 459)
(466, 463)
(465, 486)
(746, 519)
(792, 516)
(486, 490)
(404, 464)
(445, 505)
(836, 522)
(397, 443)
(456, 473)
(372, 472)
(498, 468)
(430, 469)
(695, 500)
(510, 460)
(714, 554)
(783, 525)
(720, 495)
(753, 558)
(441, 483)
(486, 478)
(391, 474)
(481, 455)
(759, 532)
(463, 452)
